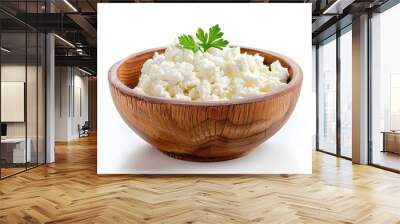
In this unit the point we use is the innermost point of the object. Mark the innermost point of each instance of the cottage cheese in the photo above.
(214, 75)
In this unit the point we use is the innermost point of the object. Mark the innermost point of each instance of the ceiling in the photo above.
(76, 22)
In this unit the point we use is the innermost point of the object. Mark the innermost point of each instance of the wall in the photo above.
(80, 109)
(17, 73)
(71, 102)
(10, 73)
(62, 81)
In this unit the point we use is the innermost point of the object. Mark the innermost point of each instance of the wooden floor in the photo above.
(70, 191)
(10, 171)
(387, 159)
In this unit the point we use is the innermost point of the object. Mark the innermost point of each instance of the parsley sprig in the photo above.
(205, 40)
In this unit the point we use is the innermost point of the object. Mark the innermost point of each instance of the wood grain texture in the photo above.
(70, 191)
(203, 131)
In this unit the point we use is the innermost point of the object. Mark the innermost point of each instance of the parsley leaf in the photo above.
(201, 35)
(187, 41)
(207, 40)
(215, 33)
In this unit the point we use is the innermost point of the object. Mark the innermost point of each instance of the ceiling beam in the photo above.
(320, 22)
(338, 6)
(82, 61)
(331, 30)
(49, 22)
(84, 24)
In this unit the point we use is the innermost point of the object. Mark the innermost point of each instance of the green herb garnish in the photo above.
(206, 40)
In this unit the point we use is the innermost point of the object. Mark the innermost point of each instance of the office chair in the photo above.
(84, 130)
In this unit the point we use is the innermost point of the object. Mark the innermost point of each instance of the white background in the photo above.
(124, 29)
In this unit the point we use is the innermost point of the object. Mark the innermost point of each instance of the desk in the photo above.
(13, 150)
(391, 141)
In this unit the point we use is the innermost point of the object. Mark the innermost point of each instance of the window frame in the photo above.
(334, 37)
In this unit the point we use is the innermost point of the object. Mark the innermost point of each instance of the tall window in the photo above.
(385, 89)
(327, 96)
(346, 93)
(394, 101)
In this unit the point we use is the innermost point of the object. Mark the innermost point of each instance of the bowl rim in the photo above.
(296, 80)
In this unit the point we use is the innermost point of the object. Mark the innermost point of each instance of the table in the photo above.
(13, 150)
(391, 141)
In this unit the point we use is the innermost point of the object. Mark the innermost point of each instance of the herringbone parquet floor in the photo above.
(70, 191)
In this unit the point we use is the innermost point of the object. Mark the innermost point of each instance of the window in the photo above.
(327, 96)
(346, 93)
(385, 89)
(394, 102)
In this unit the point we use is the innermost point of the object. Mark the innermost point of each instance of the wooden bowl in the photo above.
(203, 131)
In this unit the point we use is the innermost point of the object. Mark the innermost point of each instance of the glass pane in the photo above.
(31, 100)
(41, 98)
(31, 88)
(346, 93)
(385, 113)
(327, 97)
(13, 90)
